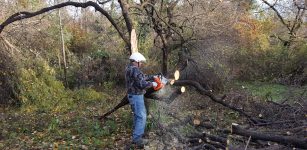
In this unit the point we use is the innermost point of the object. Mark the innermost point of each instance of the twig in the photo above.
(247, 142)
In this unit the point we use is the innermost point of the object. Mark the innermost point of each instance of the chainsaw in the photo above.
(159, 79)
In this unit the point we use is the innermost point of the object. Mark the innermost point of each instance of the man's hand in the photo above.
(154, 84)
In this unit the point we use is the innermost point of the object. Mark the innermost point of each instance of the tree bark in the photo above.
(63, 48)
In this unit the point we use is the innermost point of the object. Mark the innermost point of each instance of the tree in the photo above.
(172, 27)
(291, 15)
(160, 17)
(97, 6)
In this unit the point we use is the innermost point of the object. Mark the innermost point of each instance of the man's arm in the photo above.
(149, 77)
(140, 79)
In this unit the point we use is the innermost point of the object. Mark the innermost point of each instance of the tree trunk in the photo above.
(63, 48)
(296, 142)
(164, 60)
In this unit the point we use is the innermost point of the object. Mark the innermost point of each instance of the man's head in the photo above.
(137, 59)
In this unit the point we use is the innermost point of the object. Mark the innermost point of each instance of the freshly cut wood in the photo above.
(182, 89)
(176, 74)
(285, 140)
(172, 82)
(134, 42)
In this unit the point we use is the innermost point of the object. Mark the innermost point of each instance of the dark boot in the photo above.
(140, 143)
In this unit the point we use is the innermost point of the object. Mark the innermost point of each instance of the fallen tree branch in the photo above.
(208, 93)
(285, 140)
(122, 103)
(205, 136)
(276, 122)
(150, 94)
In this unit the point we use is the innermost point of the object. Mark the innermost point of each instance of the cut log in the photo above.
(215, 141)
(205, 136)
(285, 140)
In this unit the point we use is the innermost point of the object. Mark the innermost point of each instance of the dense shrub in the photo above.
(8, 76)
(40, 90)
(276, 63)
(81, 42)
(87, 95)
(99, 69)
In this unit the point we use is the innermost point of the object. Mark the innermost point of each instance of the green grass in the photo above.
(271, 91)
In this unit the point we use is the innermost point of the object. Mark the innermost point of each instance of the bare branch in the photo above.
(277, 13)
(103, 2)
(24, 15)
(124, 5)
(300, 6)
(140, 7)
(168, 25)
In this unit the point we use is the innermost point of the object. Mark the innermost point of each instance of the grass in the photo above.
(271, 91)
(76, 129)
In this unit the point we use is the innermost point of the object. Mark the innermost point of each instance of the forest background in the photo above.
(63, 65)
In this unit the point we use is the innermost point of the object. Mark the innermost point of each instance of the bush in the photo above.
(100, 71)
(275, 63)
(88, 95)
(8, 75)
(41, 91)
(81, 42)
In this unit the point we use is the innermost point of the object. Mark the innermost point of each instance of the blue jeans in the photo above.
(139, 116)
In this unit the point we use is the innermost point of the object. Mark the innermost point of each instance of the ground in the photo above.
(168, 127)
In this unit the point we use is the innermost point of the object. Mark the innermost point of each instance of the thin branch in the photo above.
(168, 25)
(124, 6)
(103, 2)
(24, 15)
(277, 13)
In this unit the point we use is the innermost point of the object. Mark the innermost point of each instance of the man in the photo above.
(136, 83)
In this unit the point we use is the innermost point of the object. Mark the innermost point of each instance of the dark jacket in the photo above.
(136, 80)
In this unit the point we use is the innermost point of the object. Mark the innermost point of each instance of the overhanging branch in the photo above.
(24, 15)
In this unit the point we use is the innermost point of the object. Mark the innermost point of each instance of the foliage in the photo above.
(29, 3)
(261, 58)
(272, 64)
(271, 91)
(87, 95)
(100, 54)
(41, 90)
(81, 41)
(253, 33)
(8, 75)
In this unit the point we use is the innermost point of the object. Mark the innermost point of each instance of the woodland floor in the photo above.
(169, 126)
